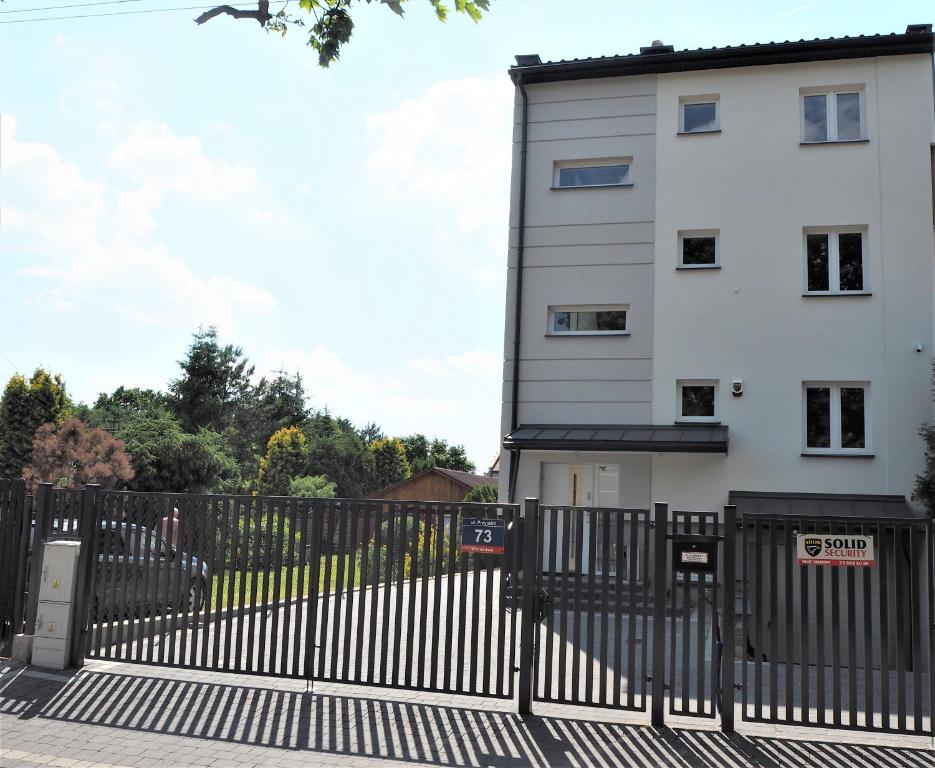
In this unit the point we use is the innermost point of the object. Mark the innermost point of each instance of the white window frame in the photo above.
(835, 421)
(709, 98)
(679, 418)
(596, 162)
(831, 110)
(834, 260)
(690, 233)
(586, 308)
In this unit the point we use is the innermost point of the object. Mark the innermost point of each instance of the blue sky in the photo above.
(348, 223)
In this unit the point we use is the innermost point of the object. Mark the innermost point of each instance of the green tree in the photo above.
(167, 459)
(312, 487)
(337, 450)
(214, 381)
(485, 494)
(262, 410)
(924, 492)
(71, 454)
(422, 454)
(333, 24)
(286, 457)
(25, 406)
(111, 411)
(389, 461)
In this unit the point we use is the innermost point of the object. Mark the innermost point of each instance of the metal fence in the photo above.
(839, 647)
(603, 607)
(349, 591)
(592, 644)
(15, 512)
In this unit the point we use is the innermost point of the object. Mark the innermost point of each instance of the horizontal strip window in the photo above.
(592, 173)
(589, 321)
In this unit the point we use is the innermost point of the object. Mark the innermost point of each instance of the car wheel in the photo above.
(196, 596)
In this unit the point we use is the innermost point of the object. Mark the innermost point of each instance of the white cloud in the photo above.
(446, 153)
(436, 396)
(96, 241)
(160, 160)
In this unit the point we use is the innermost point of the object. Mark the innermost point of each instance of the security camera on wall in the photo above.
(736, 387)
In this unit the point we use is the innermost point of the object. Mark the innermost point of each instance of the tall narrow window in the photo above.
(835, 262)
(836, 418)
(834, 115)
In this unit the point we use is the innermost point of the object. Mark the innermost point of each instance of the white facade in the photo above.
(761, 189)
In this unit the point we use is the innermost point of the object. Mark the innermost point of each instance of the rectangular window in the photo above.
(588, 321)
(698, 249)
(835, 261)
(697, 400)
(836, 418)
(699, 114)
(836, 115)
(592, 173)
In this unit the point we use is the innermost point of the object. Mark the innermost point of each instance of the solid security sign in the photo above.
(485, 536)
(845, 550)
(695, 557)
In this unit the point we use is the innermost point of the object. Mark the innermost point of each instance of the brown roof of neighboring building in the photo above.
(917, 38)
(466, 479)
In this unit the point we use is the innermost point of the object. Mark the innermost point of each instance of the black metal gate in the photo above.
(840, 647)
(15, 510)
(351, 591)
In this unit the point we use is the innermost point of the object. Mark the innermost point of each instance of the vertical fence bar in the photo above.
(546, 667)
(508, 555)
(592, 521)
(375, 593)
(628, 569)
(804, 625)
(788, 561)
(488, 623)
(43, 522)
(353, 531)
(820, 640)
(438, 527)
(852, 648)
(836, 640)
(413, 544)
(276, 515)
(885, 615)
(20, 561)
(576, 637)
(869, 625)
(701, 625)
(215, 582)
(450, 601)
(401, 538)
(314, 583)
(266, 515)
(337, 594)
(428, 515)
(528, 619)
(686, 624)
(773, 633)
(84, 582)
(727, 631)
(387, 595)
(916, 608)
(242, 512)
(901, 621)
(328, 550)
(605, 604)
(563, 619)
(363, 532)
(300, 523)
(930, 575)
(660, 555)
(758, 639)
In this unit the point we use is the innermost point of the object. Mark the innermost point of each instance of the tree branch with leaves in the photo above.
(333, 23)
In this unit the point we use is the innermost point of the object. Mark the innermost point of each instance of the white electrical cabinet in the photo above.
(52, 638)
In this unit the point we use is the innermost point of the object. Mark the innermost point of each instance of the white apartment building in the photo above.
(720, 278)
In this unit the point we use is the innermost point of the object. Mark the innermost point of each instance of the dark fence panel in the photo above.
(15, 524)
(325, 589)
(840, 647)
(595, 607)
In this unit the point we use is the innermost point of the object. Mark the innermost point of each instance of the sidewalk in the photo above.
(136, 716)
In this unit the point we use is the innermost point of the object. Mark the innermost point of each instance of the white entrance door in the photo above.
(577, 485)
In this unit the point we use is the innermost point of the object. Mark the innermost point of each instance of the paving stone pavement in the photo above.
(135, 716)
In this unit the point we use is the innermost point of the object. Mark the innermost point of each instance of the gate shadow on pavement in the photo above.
(230, 717)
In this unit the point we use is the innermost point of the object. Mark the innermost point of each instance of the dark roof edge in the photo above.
(733, 56)
(891, 498)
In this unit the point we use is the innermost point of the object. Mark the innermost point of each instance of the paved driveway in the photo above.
(131, 715)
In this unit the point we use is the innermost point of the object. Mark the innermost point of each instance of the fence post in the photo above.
(19, 563)
(660, 556)
(41, 529)
(528, 609)
(729, 619)
(84, 578)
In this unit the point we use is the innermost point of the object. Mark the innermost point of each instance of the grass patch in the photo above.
(266, 583)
